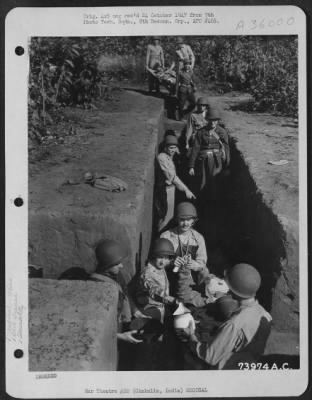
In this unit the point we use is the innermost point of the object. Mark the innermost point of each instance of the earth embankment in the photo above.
(67, 216)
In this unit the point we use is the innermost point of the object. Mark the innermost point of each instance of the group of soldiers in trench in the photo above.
(177, 306)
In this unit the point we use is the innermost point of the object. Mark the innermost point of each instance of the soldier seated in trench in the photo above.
(109, 255)
(153, 294)
(243, 336)
(190, 270)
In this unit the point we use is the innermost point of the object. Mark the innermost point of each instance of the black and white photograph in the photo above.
(163, 199)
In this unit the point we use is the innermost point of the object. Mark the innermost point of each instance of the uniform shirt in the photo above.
(195, 121)
(242, 337)
(154, 55)
(208, 140)
(191, 239)
(185, 53)
(186, 78)
(154, 286)
(123, 308)
(168, 169)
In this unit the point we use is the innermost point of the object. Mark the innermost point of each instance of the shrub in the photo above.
(67, 70)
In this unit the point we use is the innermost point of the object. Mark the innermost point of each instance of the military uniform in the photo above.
(186, 91)
(195, 121)
(154, 58)
(166, 183)
(211, 152)
(124, 313)
(185, 53)
(190, 243)
(240, 339)
(153, 291)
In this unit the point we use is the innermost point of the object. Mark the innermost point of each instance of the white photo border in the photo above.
(24, 23)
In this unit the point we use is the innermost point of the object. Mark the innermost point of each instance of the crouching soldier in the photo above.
(210, 152)
(241, 338)
(109, 256)
(153, 294)
(167, 181)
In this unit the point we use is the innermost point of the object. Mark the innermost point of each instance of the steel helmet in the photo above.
(109, 253)
(163, 247)
(171, 140)
(243, 280)
(185, 210)
(213, 113)
(203, 101)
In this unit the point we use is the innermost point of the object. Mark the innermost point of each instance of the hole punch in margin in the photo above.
(18, 202)
(19, 50)
(18, 353)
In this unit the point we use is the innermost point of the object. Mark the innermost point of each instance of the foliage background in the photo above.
(67, 71)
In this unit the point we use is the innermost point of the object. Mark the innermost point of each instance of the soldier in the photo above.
(154, 59)
(167, 181)
(242, 337)
(184, 52)
(186, 89)
(109, 256)
(196, 120)
(153, 294)
(210, 151)
(191, 256)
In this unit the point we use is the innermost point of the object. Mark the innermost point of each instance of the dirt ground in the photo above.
(262, 137)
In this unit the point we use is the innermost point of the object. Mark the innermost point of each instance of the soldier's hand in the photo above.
(190, 195)
(193, 265)
(178, 262)
(138, 314)
(186, 334)
(127, 337)
(191, 171)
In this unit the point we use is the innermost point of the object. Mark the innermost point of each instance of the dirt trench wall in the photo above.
(65, 221)
(256, 234)
(72, 323)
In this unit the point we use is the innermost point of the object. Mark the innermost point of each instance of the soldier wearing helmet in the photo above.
(210, 152)
(109, 256)
(167, 181)
(186, 88)
(154, 59)
(153, 294)
(191, 257)
(196, 120)
(184, 53)
(242, 337)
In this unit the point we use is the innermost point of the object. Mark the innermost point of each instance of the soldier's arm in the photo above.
(222, 345)
(162, 58)
(189, 130)
(148, 53)
(195, 150)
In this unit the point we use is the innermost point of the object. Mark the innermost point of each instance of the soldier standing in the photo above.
(167, 181)
(186, 89)
(154, 59)
(210, 152)
(196, 120)
(184, 52)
